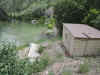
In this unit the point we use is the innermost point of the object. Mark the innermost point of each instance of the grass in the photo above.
(51, 73)
(60, 56)
(84, 68)
(41, 40)
(41, 49)
(22, 47)
(67, 72)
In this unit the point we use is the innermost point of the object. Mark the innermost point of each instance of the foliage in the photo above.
(8, 60)
(40, 64)
(69, 11)
(11, 65)
(3, 15)
(51, 23)
(26, 9)
(94, 4)
(41, 49)
(41, 20)
(96, 22)
(92, 18)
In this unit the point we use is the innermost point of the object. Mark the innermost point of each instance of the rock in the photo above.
(34, 21)
(33, 52)
(49, 31)
(23, 53)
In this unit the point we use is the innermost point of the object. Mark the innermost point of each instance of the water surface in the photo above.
(21, 33)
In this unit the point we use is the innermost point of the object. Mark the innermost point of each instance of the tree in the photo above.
(3, 15)
(69, 11)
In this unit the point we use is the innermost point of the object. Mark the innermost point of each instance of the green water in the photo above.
(21, 33)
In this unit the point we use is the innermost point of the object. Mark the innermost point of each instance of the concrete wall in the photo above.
(88, 47)
(80, 47)
(93, 47)
(67, 39)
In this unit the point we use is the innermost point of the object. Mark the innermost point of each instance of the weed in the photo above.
(51, 73)
(84, 68)
(68, 72)
(22, 47)
(41, 49)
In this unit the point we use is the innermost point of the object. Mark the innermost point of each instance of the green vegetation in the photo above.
(40, 64)
(84, 68)
(77, 12)
(93, 18)
(18, 26)
(60, 56)
(68, 72)
(41, 40)
(11, 65)
(51, 73)
(22, 47)
(51, 23)
(41, 49)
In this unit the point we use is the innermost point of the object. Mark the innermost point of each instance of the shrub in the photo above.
(9, 62)
(96, 22)
(51, 23)
(40, 64)
(42, 20)
(11, 65)
(8, 59)
(93, 18)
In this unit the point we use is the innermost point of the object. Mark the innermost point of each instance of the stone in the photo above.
(33, 52)
(34, 21)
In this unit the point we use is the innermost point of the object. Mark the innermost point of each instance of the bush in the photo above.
(40, 64)
(9, 62)
(70, 11)
(68, 72)
(8, 59)
(11, 65)
(93, 18)
(96, 22)
(51, 23)
(41, 20)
